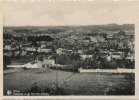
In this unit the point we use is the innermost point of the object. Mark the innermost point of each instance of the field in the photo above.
(73, 83)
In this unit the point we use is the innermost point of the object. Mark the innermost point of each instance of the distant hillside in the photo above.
(107, 27)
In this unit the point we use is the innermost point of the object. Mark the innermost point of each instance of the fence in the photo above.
(118, 70)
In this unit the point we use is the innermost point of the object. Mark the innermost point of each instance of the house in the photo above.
(86, 56)
(31, 64)
(100, 38)
(39, 63)
(48, 63)
(93, 39)
(63, 52)
(24, 46)
(43, 45)
(117, 55)
(15, 47)
(82, 51)
(108, 58)
(59, 50)
(7, 41)
(109, 37)
(68, 51)
(70, 40)
(23, 52)
(46, 50)
(129, 33)
(129, 57)
(7, 47)
(103, 53)
(121, 32)
(16, 53)
(7, 53)
(31, 48)
(39, 49)
(112, 50)
(113, 41)
(86, 41)
(130, 45)
(120, 45)
(25, 38)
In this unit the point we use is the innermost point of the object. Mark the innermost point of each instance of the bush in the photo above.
(34, 89)
(6, 61)
(129, 89)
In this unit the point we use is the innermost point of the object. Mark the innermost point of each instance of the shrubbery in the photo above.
(129, 89)
(56, 90)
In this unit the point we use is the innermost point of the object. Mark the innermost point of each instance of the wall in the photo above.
(118, 70)
(19, 66)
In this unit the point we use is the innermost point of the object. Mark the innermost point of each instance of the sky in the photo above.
(67, 13)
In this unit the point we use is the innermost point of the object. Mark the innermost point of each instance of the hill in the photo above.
(56, 29)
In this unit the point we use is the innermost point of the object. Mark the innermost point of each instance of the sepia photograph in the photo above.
(68, 48)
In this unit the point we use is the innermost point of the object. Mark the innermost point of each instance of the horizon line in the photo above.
(63, 25)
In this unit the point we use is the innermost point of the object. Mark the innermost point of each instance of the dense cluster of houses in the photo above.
(109, 44)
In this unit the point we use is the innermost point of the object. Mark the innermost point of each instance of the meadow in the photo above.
(72, 83)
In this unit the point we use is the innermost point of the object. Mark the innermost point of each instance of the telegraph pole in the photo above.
(56, 78)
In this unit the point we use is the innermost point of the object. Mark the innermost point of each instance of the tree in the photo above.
(6, 61)
(53, 49)
(113, 64)
(129, 88)
(40, 58)
(34, 43)
(104, 64)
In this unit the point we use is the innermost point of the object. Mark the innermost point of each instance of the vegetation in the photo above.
(129, 89)
(108, 27)
(71, 83)
(6, 61)
(40, 38)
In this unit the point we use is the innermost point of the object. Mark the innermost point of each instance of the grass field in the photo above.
(73, 83)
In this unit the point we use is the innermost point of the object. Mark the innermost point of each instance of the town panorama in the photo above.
(69, 60)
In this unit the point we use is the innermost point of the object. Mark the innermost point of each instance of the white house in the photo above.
(7, 47)
(7, 53)
(86, 56)
(129, 56)
(31, 65)
(93, 39)
(116, 55)
(46, 50)
(108, 58)
(23, 52)
(59, 50)
(82, 51)
(31, 48)
(48, 62)
(43, 45)
(39, 49)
